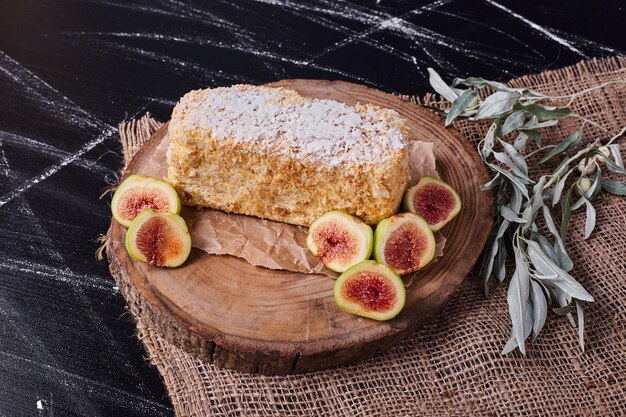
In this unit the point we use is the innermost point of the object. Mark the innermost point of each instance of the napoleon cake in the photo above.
(271, 153)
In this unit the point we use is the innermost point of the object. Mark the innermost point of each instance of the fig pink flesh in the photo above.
(433, 203)
(405, 247)
(373, 291)
(136, 200)
(157, 241)
(334, 242)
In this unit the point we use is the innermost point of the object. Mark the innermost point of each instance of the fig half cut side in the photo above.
(404, 242)
(340, 240)
(435, 200)
(138, 193)
(371, 290)
(160, 239)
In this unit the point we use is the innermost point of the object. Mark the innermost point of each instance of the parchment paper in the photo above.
(268, 243)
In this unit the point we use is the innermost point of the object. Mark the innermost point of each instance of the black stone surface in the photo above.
(71, 70)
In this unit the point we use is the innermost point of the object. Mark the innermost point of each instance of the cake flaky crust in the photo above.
(271, 153)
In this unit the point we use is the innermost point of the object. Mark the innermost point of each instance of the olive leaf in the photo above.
(563, 280)
(572, 140)
(542, 112)
(443, 89)
(542, 265)
(517, 298)
(617, 157)
(590, 220)
(540, 307)
(614, 187)
(496, 104)
(460, 104)
(514, 121)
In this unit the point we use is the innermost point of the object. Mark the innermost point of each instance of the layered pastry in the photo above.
(271, 153)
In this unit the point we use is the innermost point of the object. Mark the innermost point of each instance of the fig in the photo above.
(138, 193)
(340, 240)
(371, 290)
(404, 242)
(434, 200)
(158, 238)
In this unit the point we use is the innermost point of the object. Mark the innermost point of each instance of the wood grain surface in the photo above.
(222, 309)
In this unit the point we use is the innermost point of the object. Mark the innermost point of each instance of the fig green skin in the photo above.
(386, 227)
(174, 220)
(138, 181)
(407, 203)
(362, 230)
(355, 308)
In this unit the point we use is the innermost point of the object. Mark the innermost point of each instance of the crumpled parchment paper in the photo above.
(268, 243)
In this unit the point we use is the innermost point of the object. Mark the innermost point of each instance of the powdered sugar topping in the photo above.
(308, 130)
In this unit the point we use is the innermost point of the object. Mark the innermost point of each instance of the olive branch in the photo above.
(542, 266)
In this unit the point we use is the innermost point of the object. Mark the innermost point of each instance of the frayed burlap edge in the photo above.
(452, 366)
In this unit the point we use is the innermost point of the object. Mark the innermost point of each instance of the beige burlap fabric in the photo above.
(453, 366)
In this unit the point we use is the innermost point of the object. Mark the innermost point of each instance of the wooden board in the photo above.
(222, 309)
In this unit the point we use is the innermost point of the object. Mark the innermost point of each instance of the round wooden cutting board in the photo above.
(226, 311)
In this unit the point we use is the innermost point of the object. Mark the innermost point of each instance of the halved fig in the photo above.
(436, 201)
(138, 193)
(371, 290)
(340, 240)
(158, 238)
(404, 242)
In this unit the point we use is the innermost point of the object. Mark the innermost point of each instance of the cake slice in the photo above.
(271, 153)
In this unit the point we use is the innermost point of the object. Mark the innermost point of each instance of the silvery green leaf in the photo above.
(520, 142)
(515, 156)
(581, 324)
(501, 261)
(487, 267)
(517, 299)
(491, 184)
(563, 259)
(527, 216)
(614, 187)
(558, 190)
(510, 346)
(507, 161)
(561, 296)
(540, 308)
(617, 157)
(489, 141)
(590, 220)
(562, 311)
(571, 140)
(562, 167)
(508, 214)
(535, 124)
(482, 83)
(514, 180)
(564, 301)
(538, 188)
(512, 343)
(610, 164)
(547, 247)
(514, 121)
(443, 89)
(479, 83)
(544, 277)
(566, 212)
(542, 112)
(516, 200)
(546, 266)
(460, 104)
(496, 104)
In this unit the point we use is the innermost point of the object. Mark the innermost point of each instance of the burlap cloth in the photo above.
(453, 366)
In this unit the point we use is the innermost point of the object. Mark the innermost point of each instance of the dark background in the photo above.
(71, 70)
